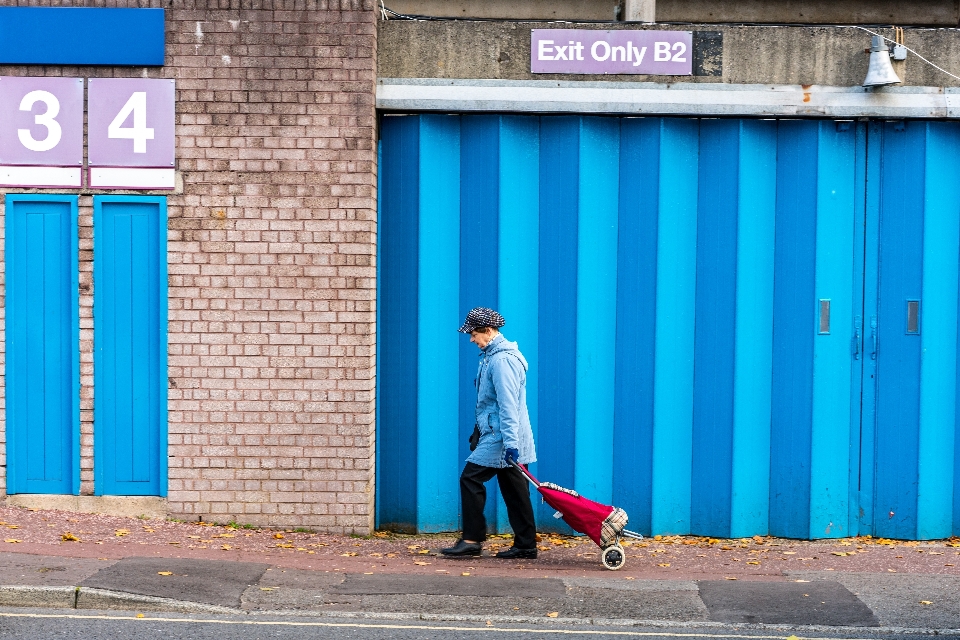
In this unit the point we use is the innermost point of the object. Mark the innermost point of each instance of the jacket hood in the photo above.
(501, 344)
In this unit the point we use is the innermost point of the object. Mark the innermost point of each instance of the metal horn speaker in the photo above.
(880, 72)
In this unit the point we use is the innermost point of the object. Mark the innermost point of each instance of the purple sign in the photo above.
(41, 121)
(130, 122)
(648, 52)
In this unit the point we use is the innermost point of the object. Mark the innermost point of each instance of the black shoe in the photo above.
(514, 554)
(463, 549)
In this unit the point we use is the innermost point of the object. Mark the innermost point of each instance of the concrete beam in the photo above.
(640, 11)
(648, 98)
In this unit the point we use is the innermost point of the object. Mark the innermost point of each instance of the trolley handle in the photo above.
(526, 473)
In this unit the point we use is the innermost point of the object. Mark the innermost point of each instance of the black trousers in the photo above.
(516, 495)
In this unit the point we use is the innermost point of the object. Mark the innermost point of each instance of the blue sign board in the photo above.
(81, 36)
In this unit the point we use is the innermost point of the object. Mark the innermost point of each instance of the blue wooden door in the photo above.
(42, 345)
(910, 374)
(130, 357)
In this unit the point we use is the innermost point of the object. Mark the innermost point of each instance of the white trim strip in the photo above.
(14, 176)
(650, 98)
(131, 178)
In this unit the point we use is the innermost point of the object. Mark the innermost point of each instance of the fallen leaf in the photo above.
(413, 546)
(421, 563)
(348, 553)
(172, 542)
(838, 553)
(423, 552)
(664, 564)
(553, 614)
(194, 537)
(629, 578)
(465, 573)
(302, 549)
(12, 540)
(164, 573)
(226, 547)
(391, 555)
(925, 602)
(121, 532)
(368, 573)
(728, 578)
(267, 588)
(69, 537)
(753, 562)
(149, 530)
(13, 526)
(278, 536)
(139, 615)
(801, 581)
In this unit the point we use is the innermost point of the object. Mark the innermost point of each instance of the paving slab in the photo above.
(206, 581)
(818, 602)
(47, 571)
(450, 585)
(900, 600)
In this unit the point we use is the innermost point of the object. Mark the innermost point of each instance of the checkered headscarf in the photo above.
(481, 317)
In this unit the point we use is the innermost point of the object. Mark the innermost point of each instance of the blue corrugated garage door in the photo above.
(706, 306)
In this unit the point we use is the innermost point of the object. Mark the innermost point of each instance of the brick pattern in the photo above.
(271, 253)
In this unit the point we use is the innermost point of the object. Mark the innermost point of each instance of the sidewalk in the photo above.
(151, 565)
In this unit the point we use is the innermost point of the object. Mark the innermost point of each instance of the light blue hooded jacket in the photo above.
(502, 405)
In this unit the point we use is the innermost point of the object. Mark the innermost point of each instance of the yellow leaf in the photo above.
(267, 588)
(224, 535)
(421, 563)
(278, 536)
(423, 552)
(413, 546)
(838, 553)
(465, 573)
(792, 638)
(629, 578)
(226, 547)
(664, 564)
(164, 573)
(553, 614)
(139, 615)
(121, 532)
(348, 553)
(728, 578)
(13, 526)
(174, 542)
(301, 549)
(368, 573)
(12, 540)
(925, 602)
(69, 537)
(194, 537)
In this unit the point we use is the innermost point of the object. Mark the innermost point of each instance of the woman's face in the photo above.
(482, 337)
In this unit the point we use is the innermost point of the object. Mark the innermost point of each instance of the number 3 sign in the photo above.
(131, 124)
(41, 131)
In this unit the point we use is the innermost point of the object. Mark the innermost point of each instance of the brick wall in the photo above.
(271, 253)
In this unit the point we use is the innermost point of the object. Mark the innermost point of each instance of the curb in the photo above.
(91, 598)
(78, 598)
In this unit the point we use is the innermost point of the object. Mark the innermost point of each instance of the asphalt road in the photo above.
(48, 625)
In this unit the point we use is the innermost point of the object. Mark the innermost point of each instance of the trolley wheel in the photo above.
(613, 557)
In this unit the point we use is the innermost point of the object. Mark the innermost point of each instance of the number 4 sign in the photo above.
(130, 137)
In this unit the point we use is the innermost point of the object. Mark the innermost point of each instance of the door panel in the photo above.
(130, 363)
(915, 313)
(42, 345)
